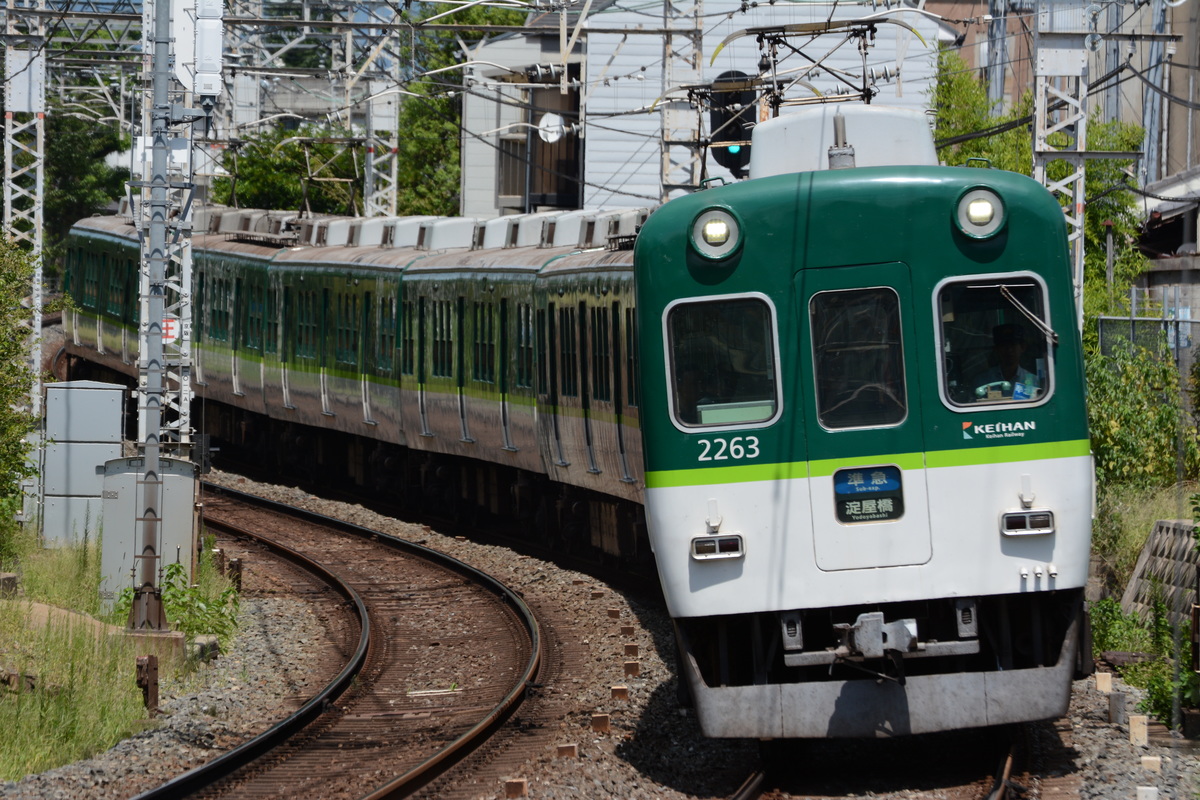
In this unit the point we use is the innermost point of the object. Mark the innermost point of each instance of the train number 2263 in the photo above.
(724, 450)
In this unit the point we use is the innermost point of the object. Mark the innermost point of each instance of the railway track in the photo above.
(437, 658)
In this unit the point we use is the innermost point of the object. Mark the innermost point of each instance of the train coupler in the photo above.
(872, 637)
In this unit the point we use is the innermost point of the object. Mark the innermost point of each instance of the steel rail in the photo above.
(209, 773)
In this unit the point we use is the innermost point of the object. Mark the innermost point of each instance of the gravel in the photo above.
(653, 749)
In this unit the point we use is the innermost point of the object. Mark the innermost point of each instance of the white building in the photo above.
(607, 146)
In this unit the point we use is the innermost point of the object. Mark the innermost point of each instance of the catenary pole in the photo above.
(147, 612)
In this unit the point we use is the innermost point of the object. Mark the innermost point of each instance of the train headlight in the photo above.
(980, 213)
(716, 233)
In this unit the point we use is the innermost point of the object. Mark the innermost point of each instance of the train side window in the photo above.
(858, 358)
(601, 355)
(631, 351)
(722, 355)
(992, 341)
(569, 374)
(408, 339)
(483, 363)
(385, 345)
(525, 346)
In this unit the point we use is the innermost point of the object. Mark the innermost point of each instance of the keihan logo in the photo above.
(999, 430)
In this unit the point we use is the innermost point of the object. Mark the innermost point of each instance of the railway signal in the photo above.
(731, 118)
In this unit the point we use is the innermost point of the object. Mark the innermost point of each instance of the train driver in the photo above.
(1007, 379)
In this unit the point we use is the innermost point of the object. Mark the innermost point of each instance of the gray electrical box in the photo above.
(124, 508)
(83, 432)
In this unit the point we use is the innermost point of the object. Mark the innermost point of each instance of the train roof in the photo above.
(114, 225)
(555, 240)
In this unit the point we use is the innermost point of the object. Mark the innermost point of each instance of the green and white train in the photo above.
(844, 407)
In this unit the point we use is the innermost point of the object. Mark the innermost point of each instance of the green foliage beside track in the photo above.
(16, 377)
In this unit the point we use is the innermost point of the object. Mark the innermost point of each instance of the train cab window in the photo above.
(722, 361)
(993, 341)
(858, 358)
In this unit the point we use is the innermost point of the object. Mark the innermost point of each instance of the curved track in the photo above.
(443, 656)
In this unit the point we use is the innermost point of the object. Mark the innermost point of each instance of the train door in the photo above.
(460, 362)
(856, 372)
(199, 328)
(504, 367)
(324, 339)
(553, 357)
(237, 334)
(618, 390)
(287, 317)
(422, 338)
(584, 358)
(366, 356)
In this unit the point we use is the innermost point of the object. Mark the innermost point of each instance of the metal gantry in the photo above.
(683, 60)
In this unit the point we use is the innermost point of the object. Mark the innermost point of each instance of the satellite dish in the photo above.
(551, 127)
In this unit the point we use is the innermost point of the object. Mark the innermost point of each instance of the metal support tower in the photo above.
(25, 164)
(683, 58)
(1060, 83)
(24, 196)
(383, 144)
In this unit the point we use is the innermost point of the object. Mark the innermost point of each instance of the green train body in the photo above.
(859, 530)
(466, 379)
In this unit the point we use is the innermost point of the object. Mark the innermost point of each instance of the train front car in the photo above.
(868, 477)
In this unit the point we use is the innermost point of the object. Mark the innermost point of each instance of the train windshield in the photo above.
(858, 358)
(994, 341)
(722, 362)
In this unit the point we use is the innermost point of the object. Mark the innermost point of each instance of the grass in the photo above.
(1124, 519)
(85, 697)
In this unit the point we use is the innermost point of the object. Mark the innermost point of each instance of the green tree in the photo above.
(282, 169)
(962, 111)
(78, 182)
(16, 379)
(430, 123)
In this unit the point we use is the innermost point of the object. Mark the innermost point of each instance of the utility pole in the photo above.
(147, 613)
(997, 53)
(1152, 104)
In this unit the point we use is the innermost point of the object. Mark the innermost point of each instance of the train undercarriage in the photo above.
(886, 670)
